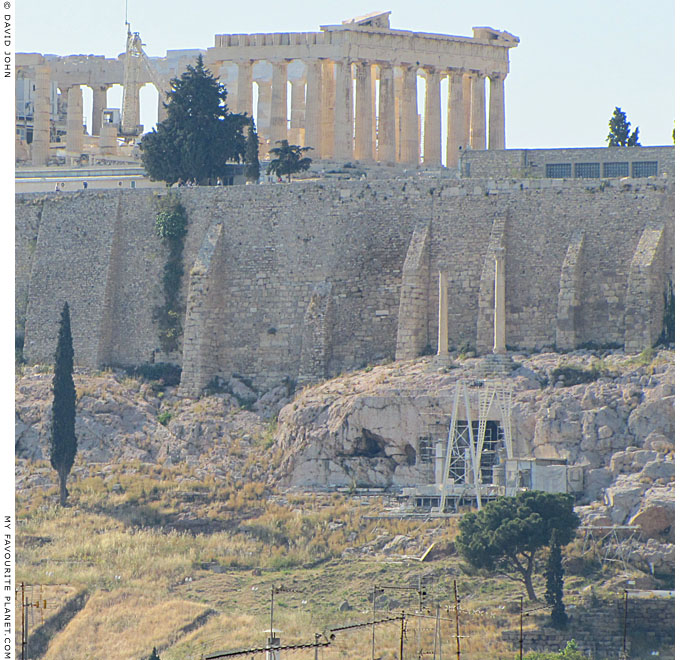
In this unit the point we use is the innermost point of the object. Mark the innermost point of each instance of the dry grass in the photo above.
(147, 580)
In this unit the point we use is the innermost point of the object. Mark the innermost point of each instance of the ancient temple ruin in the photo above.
(348, 91)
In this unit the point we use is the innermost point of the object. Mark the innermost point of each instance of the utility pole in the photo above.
(419, 618)
(625, 625)
(521, 597)
(402, 633)
(373, 622)
(457, 620)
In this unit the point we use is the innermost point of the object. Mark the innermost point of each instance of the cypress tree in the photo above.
(63, 441)
(619, 131)
(251, 154)
(554, 583)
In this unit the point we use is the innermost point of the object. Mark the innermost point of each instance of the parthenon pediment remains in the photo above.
(353, 91)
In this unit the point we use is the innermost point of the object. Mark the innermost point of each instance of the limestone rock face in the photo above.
(365, 429)
(120, 419)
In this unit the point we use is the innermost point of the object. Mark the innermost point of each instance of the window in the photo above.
(426, 450)
(644, 168)
(613, 170)
(587, 170)
(558, 170)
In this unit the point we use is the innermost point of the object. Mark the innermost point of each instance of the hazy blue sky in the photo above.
(575, 63)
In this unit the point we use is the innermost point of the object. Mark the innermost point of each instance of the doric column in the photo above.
(409, 152)
(457, 135)
(328, 109)
(313, 113)
(386, 152)
(297, 111)
(263, 107)
(467, 105)
(343, 110)
(432, 119)
(442, 315)
(278, 122)
(497, 118)
(500, 302)
(245, 91)
(478, 120)
(363, 112)
(40, 147)
(263, 116)
(100, 103)
(75, 119)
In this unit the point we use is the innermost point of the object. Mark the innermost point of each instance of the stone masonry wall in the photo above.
(98, 251)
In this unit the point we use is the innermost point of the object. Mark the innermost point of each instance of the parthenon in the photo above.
(300, 87)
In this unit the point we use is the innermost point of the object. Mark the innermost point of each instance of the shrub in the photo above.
(169, 374)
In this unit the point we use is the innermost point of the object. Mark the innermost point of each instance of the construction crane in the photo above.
(137, 65)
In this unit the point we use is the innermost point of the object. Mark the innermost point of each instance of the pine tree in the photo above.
(63, 441)
(154, 655)
(199, 135)
(251, 154)
(619, 131)
(288, 159)
(554, 583)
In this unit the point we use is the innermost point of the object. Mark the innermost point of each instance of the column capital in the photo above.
(496, 75)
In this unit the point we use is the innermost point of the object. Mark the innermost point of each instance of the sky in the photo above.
(575, 63)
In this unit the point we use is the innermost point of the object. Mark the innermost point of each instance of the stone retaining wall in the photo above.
(249, 308)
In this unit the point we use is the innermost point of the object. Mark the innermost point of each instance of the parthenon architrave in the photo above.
(378, 120)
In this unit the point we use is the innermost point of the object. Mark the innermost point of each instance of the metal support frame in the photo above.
(457, 446)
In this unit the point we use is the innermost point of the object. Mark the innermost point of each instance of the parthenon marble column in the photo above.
(432, 118)
(327, 109)
(343, 110)
(386, 150)
(245, 91)
(297, 111)
(457, 134)
(478, 119)
(100, 103)
(409, 152)
(40, 147)
(278, 121)
(263, 107)
(75, 120)
(363, 113)
(467, 105)
(313, 113)
(497, 122)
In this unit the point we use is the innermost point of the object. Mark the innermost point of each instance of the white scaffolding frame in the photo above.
(457, 446)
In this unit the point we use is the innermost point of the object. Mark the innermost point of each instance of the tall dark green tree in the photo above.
(506, 534)
(619, 131)
(554, 582)
(199, 135)
(154, 655)
(63, 441)
(251, 154)
(288, 159)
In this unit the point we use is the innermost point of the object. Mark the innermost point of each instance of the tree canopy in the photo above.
(63, 441)
(508, 531)
(288, 159)
(619, 131)
(199, 135)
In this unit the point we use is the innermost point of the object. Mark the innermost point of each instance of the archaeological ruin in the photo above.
(374, 119)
